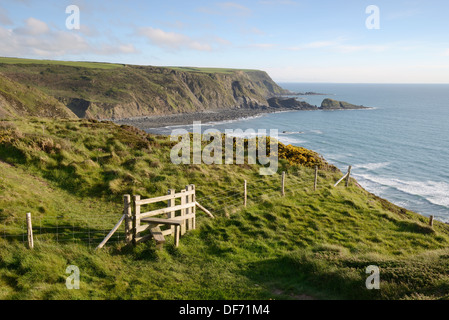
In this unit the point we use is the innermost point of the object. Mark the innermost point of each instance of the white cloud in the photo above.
(278, 2)
(33, 27)
(362, 74)
(4, 18)
(338, 45)
(226, 8)
(36, 39)
(235, 7)
(261, 45)
(172, 40)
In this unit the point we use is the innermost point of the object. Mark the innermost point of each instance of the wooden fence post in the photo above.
(349, 173)
(188, 210)
(431, 221)
(127, 211)
(30, 231)
(316, 178)
(136, 218)
(245, 195)
(171, 203)
(183, 213)
(193, 198)
(283, 183)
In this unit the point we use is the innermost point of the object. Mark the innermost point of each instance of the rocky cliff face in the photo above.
(135, 91)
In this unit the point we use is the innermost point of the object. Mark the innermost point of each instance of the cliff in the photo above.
(112, 91)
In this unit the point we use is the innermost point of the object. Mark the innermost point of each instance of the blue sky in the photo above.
(293, 40)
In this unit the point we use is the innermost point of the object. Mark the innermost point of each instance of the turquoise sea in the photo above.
(399, 149)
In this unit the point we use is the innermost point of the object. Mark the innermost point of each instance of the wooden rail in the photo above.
(177, 217)
(347, 176)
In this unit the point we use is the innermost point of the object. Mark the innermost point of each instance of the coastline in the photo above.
(160, 121)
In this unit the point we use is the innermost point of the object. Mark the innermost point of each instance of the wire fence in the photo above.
(92, 230)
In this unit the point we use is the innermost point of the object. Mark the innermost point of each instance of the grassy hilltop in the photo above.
(70, 173)
(114, 91)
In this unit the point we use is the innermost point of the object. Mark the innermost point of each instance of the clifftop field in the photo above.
(115, 91)
(308, 244)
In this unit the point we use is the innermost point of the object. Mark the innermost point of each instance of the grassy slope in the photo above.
(316, 243)
(115, 91)
(20, 100)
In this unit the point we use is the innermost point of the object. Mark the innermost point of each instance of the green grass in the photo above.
(314, 243)
(107, 91)
(81, 64)
(211, 70)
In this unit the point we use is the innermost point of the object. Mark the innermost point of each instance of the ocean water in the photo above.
(399, 149)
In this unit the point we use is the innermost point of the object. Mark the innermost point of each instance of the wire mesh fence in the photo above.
(92, 230)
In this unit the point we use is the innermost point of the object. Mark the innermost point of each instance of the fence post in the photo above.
(431, 221)
(127, 211)
(349, 173)
(30, 231)
(245, 195)
(171, 203)
(136, 218)
(183, 213)
(188, 210)
(283, 183)
(193, 198)
(316, 178)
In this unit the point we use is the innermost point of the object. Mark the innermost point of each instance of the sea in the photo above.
(398, 148)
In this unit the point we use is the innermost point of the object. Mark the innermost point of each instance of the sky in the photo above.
(343, 41)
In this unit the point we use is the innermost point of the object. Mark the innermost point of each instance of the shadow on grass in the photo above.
(302, 277)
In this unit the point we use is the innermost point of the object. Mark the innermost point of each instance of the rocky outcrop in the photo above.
(290, 103)
(330, 104)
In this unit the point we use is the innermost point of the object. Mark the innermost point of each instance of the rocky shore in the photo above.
(276, 104)
(188, 118)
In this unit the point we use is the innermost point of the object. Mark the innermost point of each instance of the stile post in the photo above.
(188, 210)
(177, 236)
(245, 194)
(349, 173)
(316, 178)
(127, 211)
(30, 231)
(194, 208)
(431, 221)
(283, 183)
(136, 218)
(171, 203)
(183, 213)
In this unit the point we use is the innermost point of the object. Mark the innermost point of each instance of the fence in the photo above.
(174, 224)
(178, 209)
